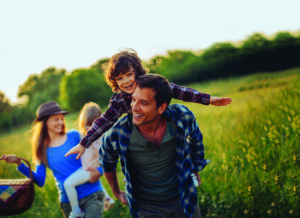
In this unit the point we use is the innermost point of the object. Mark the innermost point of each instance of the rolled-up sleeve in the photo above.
(195, 141)
(108, 156)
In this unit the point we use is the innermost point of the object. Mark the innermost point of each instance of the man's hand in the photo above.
(78, 149)
(217, 101)
(198, 177)
(122, 197)
(94, 174)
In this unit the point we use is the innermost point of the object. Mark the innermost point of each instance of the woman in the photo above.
(50, 142)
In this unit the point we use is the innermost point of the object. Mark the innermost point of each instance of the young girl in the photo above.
(123, 69)
(50, 142)
(90, 158)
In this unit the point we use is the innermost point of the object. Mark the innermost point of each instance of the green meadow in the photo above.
(253, 146)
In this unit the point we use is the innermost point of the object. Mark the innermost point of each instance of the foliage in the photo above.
(5, 112)
(81, 86)
(221, 60)
(43, 87)
(100, 65)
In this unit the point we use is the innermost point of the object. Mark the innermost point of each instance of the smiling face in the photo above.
(144, 108)
(56, 124)
(126, 81)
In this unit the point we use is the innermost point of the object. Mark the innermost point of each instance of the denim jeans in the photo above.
(92, 205)
(164, 210)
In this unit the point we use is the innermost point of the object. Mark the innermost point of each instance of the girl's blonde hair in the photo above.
(89, 112)
(40, 141)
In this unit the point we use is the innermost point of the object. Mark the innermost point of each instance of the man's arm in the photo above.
(112, 180)
(195, 141)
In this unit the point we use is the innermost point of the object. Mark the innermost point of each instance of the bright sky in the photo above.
(37, 34)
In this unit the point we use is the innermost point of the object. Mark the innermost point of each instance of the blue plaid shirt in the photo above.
(189, 154)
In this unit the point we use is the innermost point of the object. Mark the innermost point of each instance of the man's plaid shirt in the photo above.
(120, 104)
(189, 154)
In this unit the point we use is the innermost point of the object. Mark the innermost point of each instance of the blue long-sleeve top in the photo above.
(62, 167)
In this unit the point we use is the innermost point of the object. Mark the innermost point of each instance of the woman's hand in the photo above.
(78, 149)
(11, 159)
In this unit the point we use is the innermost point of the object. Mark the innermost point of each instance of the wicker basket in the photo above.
(16, 195)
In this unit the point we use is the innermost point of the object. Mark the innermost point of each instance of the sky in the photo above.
(71, 34)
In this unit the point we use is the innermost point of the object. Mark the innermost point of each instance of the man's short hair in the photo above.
(159, 84)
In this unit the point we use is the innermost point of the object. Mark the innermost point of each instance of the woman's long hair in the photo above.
(40, 141)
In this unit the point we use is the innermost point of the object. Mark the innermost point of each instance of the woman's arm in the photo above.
(39, 176)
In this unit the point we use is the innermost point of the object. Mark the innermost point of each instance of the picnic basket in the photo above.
(16, 195)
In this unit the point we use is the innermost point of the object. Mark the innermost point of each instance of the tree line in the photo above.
(257, 53)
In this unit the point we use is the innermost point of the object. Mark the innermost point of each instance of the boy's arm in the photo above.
(192, 95)
(119, 104)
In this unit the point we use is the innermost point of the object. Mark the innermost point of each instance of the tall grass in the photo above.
(253, 145)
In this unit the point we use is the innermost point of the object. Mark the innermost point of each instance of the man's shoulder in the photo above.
(124, 120)
(121, 125)
(178, 111)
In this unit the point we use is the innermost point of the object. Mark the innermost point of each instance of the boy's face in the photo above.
(126, 81)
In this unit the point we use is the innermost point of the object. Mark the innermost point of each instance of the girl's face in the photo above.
(86, 127)
(55, 124)
(126, 81)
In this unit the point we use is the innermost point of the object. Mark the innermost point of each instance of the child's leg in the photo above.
(105, 192)
(79, 177)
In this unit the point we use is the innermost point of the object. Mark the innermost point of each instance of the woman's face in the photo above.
(56, 123)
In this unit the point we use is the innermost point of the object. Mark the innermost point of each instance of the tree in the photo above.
(100, 65)
(5, 113)
(81, 86)
(43, 87)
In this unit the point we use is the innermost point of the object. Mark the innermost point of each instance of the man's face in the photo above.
(144, 107)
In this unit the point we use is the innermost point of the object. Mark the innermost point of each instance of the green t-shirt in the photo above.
(152, 168)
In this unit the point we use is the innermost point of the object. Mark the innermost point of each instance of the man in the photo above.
(159, 146)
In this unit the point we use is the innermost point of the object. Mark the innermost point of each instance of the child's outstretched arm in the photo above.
(217, 101)
(192, 95)
(119, 104)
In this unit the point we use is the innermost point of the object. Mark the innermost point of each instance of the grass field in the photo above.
(253, 145)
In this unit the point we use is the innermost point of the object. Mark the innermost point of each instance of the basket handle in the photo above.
(28, 164)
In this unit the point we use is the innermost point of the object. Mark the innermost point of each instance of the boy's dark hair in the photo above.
(159, 84)
(121, 63)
